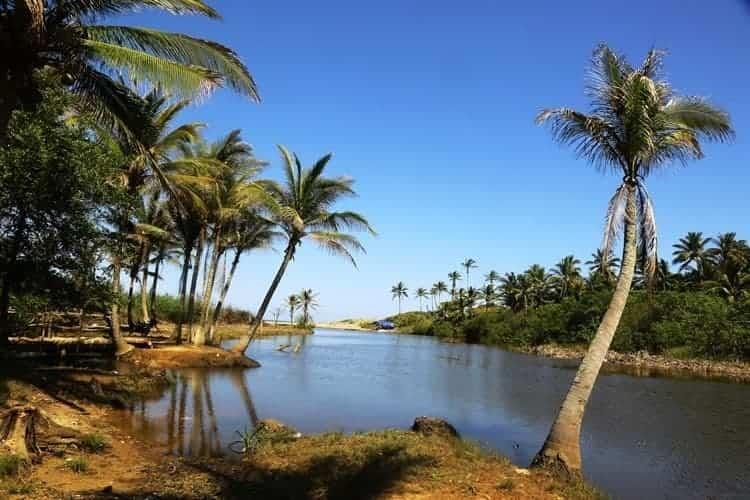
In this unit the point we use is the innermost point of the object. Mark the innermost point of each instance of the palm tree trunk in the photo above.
(188, 250)
(200, 336)
(155, 283)
(223, 296)
(193, 285)
(561, 450)
(244, 342)
(121, 347)
(144, 285)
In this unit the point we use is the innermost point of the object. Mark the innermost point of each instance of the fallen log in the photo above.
(18, 434)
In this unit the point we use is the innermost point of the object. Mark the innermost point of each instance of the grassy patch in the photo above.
(16, 487)
(94, 443)
(10, 465)
(79, 465)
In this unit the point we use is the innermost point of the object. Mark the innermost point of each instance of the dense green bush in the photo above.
(692, 323)
(168, 309)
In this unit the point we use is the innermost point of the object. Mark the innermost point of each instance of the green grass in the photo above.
(79, 465)
(94, 443)
(10, 465)
(17, 487)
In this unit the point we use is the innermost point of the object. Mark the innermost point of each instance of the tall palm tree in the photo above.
(567, 272)
(147, 151)
(692, 250)
(638, 125)
(468, 264)
(399, 291)
(603, 264)
(454, 277)
(491, 277)
(302, 208)
(232, 194)
(308, 301)
(62, 35)
(421, 294)
(441, 288)
(292, 302)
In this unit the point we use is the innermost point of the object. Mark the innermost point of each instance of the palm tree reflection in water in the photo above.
(190, 424)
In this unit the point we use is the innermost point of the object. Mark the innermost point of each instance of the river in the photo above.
(643, 437)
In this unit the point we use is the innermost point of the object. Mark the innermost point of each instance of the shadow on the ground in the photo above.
(330, 476)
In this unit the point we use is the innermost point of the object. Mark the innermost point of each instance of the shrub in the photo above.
(94, 443)
(10, 465)
(79, 465)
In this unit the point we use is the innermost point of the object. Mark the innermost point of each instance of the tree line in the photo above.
(102, 181)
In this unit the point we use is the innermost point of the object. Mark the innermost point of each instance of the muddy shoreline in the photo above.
(646, 365)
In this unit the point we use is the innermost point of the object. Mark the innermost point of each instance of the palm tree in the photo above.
(692, 250)
(516, 292)
(603, 264)
(441, 288)
(468, 264)
(61, 35)
(233, 193)
(147, 152)
(491, 277)
(454, 277)
(249, 232)
(308, 301)
(732, 274)
(638, 125)
(302, 209)
(488, 293)
(538, 284)
(421, 294)
(568, 275)
(398, 291)
(292, 302)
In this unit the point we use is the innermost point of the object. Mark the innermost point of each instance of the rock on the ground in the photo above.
(431, 426)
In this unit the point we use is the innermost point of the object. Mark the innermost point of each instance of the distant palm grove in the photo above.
(102, 185)
(702, 309)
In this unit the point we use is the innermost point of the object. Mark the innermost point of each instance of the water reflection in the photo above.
(185, 419)
(643, 437)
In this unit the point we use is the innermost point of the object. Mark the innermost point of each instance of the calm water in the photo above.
(642, 438)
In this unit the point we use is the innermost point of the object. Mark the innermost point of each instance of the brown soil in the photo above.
(645, 364)
(187, 356)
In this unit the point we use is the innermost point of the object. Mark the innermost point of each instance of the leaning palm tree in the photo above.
(302, 208)
(692, 250)
(454, 278)
(233, 193)
(637, 126)
(421, 294)
(468, 264)
(399, 291)
(62, 35)
(249, 232)
(147, 151)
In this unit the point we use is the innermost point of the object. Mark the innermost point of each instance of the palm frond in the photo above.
(647, 233)
(182, 49)
(338, 244)
(187, 79)
(590, 136)
(615, 219)
(109, 7)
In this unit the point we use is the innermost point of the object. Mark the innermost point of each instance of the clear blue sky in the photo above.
(429, 105)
